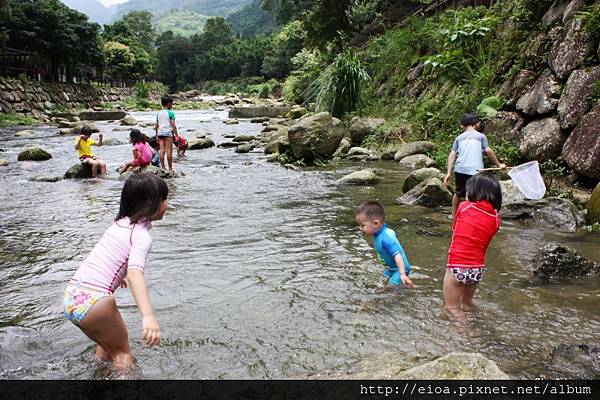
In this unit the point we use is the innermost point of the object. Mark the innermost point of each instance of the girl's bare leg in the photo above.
(453, 292)
(169, 145)
(102, 167)
(105, 325)
(468, 293)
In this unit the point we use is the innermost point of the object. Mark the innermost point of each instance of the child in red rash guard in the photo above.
(475, 224)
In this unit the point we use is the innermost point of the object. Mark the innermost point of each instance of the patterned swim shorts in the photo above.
(467, 276)
(78, 302)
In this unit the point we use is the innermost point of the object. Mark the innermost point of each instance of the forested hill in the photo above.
(95, 10)
(205, 7)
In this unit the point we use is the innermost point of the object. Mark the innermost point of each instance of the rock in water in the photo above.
(550, 213)
(593, 206)
(24, 133)
(244, 148)
(34, 154)
(128, 121)
(421, 175)
(364, 177)
(3, 162)
(198, 143)
(417, 161)
(296, 112)
(315, 137)
(577, 361)
(456, 366)
(430, 193)
(79, 171)
(411, 148)
(360, 128)
(557, 261)
(243, 138)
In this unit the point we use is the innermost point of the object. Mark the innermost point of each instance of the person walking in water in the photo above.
(166, 132)
(370, 217)
(467, 152)
(118, 260)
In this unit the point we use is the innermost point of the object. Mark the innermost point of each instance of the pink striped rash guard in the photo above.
(123, 246)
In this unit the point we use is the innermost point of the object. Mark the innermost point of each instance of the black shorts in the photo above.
(461, 184)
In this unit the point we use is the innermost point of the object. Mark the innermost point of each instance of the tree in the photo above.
(135, 28)
(287, 43)
(119, 59)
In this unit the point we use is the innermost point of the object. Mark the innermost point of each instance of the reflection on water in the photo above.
(260, 272)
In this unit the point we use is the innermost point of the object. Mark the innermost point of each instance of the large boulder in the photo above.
(411, 148)
(296, 112)
(79, 171)
(417, 161)
(558, 261)
(505, 126)
(571, 49)
(513, 89)
(34, 154)
(542, 97)
(245, 148)
(542, 140)
(258, 111)
(510, 193)
(555, 13)
(360, 128)
(315, 137)
(200, 143)
(364, 177)
(421, 175)
(102, 115)
(582, 148)
(456, 366)
(128, 120)
(593, 206)
(575, 100)
(552, 213)
(430, 193)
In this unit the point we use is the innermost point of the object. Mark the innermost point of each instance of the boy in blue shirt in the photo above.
(467, 151)
(370, 217)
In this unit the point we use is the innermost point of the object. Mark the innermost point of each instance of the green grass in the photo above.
(12, 119)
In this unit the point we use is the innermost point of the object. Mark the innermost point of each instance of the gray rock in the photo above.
(273, 157)
(102, 115)
(259, 120)
(430, 193)
(34, 154)
(296, 112)
(510, 193)
(231, 122)
(542, 97)
(3, 162)
(315, 137)
(582, 148)
(358, 151)
(364, 177)
(273, 128)
(200, 143)
(575, 100)
(555, 13)
(79, 171)
(121, 129)
(243, 138)
(575, 361)
(593, 206)
(505, 126)
(343, 148)
(49, 179)
(569, 51)
(417, 161)
(415, 72)
(572, 9)
(272, 148)
(227, 145)
(558, 261)
(513, 89)
(542, 140)
(251, 111)
(551, 213)
(421, 175)
(411, 148)
(24, 133)
(456, 366)
(244, 148)
(113, 142)
(128, 120)
(360, 128)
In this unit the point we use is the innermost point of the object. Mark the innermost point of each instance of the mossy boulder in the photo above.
(364, 177)
(417, 161)
(79, 171)
(593, 206)
(558, 261)
(245, 148)
(421, 175)
(34, 154)
(315, 137)
(24, 133)
(542, 97)
(429, 193)
(200, 143)
(575, 100)
(571, 49)
(296, 112)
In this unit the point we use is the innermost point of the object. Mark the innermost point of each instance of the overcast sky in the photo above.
(111, 2)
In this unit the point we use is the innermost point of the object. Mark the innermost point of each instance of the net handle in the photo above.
(494, 169)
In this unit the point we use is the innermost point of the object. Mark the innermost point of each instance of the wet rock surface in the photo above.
(421, 175)
(551, 213)
(417, 161)
(34, 154)
(364, 177)
(315, 137)
(577, 361)
(557, 261)
(429, 193)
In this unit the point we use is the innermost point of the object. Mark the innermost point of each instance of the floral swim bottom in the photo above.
(78, 302)
(467, 276)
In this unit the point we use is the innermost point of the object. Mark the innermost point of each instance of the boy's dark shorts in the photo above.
(461, 184)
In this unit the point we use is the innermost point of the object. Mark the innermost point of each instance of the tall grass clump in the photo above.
(338, 89)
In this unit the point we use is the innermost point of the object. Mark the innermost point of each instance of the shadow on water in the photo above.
(260, 272)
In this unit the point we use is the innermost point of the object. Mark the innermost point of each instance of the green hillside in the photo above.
(204, 7)
(184, 23)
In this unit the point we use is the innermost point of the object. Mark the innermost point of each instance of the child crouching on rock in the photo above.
(83, 144)
(142, 152)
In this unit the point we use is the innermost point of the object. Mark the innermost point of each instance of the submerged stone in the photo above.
(364, 177)
(34, 154)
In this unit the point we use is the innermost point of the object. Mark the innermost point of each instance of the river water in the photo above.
(258, 271)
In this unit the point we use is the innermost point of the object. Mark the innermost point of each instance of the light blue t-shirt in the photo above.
(469, 146)
(387, 247)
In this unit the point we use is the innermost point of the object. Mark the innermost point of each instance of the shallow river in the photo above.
(258, 271)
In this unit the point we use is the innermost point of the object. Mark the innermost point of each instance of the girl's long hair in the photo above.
(141, 197)
(485, 186)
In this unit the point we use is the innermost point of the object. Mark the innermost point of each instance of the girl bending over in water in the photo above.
(118, 260)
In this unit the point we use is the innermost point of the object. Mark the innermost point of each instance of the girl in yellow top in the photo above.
(83, 144)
